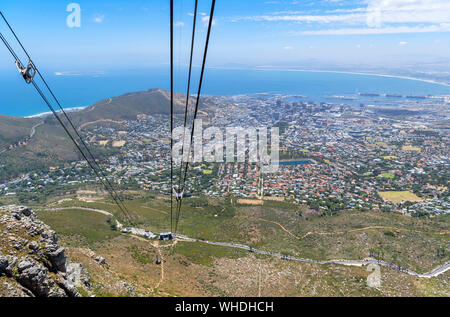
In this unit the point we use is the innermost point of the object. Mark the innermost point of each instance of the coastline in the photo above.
(267, 68)
(430, 81)
(49, 113)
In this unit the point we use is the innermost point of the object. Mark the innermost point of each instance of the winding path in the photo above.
(433, 273)
(32, 133)
(33, 128)
(93, 107)
(97, 121)
(103, 212)
(342, 232)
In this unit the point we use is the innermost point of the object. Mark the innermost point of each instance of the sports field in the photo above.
(400, 196)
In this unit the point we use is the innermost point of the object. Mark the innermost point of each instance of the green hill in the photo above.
(128, 106)
(13, 129)
(50, 146)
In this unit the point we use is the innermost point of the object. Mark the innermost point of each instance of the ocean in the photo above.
(84, 89)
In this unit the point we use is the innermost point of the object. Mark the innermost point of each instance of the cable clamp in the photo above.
(179, 193)
(28, 72)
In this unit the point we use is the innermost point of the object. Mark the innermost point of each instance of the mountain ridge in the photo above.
(30, 143)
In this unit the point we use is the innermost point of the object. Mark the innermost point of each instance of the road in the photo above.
(340, 232)
(435, 272)
(93, 107)
(33, 129)
(97, 121)
(32, 132)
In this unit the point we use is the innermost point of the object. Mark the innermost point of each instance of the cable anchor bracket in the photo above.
(28, 72)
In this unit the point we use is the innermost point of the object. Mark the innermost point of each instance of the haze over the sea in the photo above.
(83, 89)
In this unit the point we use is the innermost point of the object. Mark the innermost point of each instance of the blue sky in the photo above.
(132, 33)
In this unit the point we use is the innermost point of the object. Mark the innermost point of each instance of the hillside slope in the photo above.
(49, 144)
(32, 263)
(128, 106)
(13, 129)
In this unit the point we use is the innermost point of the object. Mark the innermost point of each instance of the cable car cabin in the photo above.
(166, 236)
(158, 261)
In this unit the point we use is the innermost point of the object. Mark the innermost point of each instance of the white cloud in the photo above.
(347, 18)
(205, 21)
(402, 43)
(179, 23)
(444, 27)
(381, 12)
(383, 16)
(373, 15)
(288, 48)
(99, 18)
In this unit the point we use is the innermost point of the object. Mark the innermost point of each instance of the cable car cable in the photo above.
(64, 112)
(180, 188)
(205, 53)
(171, 115)
(188, 89)
(180, 193)
(71, 137)
(17, 59)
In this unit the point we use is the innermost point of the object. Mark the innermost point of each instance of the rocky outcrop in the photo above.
(97, 258)
(78, 275)
(32, 263)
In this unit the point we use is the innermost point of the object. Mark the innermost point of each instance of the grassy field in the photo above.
(387, 175)
(205, 254)
(79, 227)
(277, 226)
(400, 196)
(199, 269)
(411, 148)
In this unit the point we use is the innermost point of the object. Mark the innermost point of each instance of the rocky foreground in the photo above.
(32, 263)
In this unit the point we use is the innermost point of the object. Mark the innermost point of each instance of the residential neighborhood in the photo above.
(332, 156)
